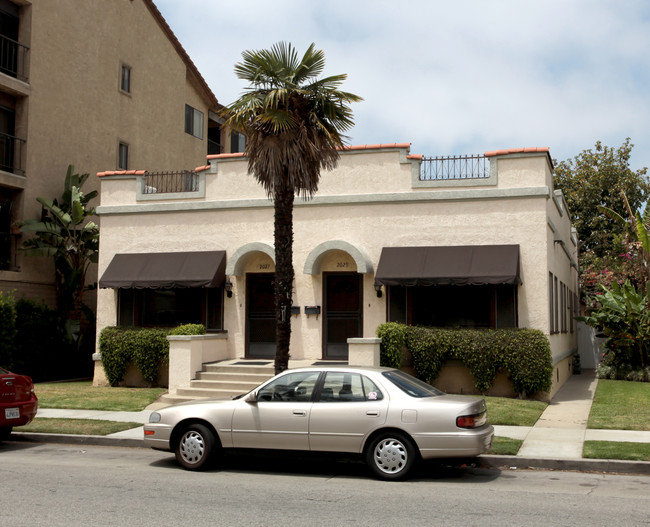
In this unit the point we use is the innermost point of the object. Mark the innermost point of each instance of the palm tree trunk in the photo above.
(283, 223)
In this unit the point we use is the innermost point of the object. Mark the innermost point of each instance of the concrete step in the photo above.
(234, 385)
(216, 367)
(227, 376)
(207, 393)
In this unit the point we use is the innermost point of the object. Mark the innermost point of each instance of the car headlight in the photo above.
(154, 417)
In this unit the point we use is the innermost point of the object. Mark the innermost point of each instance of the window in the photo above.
(292, 387)
(410, 385)
(125, 78)
(551, 303)
(466, 306)
(193, 121)
(171, 307)
(346, 387)
(237, 142)
(123, 156)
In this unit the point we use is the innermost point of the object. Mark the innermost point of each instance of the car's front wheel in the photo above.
(391, 455)
(195, 447)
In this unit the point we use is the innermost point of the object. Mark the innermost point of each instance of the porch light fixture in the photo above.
(378, 289)
(228, 287)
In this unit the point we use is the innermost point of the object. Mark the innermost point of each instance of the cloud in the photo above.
(453, 77)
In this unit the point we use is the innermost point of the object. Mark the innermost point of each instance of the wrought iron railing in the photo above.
(168, 182)
(13, 58)
(11, 154)
(214, 148)
(454, 167)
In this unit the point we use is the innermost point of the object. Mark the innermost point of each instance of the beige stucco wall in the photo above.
(73, 112)
(365, 204)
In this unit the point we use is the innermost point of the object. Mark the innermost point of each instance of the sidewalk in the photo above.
(554, 442)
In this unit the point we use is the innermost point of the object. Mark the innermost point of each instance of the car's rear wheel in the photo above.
(195, 447)
(391, 455)
(5, 433)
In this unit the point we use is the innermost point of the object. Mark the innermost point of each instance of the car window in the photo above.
(291, 387)
(344, 387)
(410, 385)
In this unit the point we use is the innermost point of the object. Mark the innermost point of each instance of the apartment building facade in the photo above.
(480, 241)
(97, 85)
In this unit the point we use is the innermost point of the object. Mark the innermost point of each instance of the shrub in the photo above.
(147, 348)
(392, 337)
(188, 329)
(524, 354)
(42, 349)
(7, 329)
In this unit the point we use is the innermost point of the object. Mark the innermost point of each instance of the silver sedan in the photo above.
(386, 415)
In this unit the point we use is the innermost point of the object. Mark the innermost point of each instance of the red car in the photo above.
(18, 402)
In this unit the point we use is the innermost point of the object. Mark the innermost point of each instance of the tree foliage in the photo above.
(65, 234)
(594, 179)
(294, 124)
(623, 315)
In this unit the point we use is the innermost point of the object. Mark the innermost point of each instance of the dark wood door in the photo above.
(343, 315)
(260, 315)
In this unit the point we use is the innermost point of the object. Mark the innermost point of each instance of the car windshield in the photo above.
(410, 385)
(3, 371)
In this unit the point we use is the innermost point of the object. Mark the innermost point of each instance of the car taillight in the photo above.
(471, 421)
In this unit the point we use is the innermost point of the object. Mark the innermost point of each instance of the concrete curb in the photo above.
(499, 462)
(71, 439)
(581, 465)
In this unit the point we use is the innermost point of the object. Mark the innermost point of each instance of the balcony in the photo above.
(170, 182)
(445, 168)
(11, 154)
(13, 58)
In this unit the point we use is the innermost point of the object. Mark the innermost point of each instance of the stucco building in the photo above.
(477, 241)
(98, 85)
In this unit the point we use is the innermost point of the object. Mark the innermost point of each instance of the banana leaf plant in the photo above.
(65, 233)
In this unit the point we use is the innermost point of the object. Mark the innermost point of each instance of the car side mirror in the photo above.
(251, 397)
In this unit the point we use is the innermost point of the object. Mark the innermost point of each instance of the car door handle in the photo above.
(300, 413)
(372, 413)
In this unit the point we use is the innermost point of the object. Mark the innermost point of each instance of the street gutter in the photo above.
(498, 462)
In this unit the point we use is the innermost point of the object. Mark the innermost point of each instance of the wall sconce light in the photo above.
(228, 287)
(378, 289)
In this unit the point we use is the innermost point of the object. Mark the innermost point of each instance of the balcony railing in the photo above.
(214, 148)
(454, 167)
(13, 58)
(170, 182)
(11, 154)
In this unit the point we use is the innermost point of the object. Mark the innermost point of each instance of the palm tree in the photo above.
(294, 125)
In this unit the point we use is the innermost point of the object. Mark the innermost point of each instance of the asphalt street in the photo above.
(50, 484)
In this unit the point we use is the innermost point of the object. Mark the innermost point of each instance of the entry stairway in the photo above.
(223, 380)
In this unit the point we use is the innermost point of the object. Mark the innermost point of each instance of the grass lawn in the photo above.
(621, 405)
(616, 450)
(75, 426)
(84, 396)
(504, 446)
(513, 412)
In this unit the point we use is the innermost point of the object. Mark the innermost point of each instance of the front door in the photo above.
(343, 314)
(260, 319)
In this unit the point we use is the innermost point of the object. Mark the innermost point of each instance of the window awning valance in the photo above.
(449, 265)
(165, 270)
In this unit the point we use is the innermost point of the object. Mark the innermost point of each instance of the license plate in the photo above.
(12, 413)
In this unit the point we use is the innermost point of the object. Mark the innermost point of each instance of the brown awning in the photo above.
(455, 265)
(165, 270)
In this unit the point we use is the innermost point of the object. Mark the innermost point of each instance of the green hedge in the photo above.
(7, 329)
(524, 354)
(147, 348)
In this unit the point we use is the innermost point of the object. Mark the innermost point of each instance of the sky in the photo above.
(452, 77)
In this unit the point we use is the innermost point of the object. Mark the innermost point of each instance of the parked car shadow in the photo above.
(318, 465)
